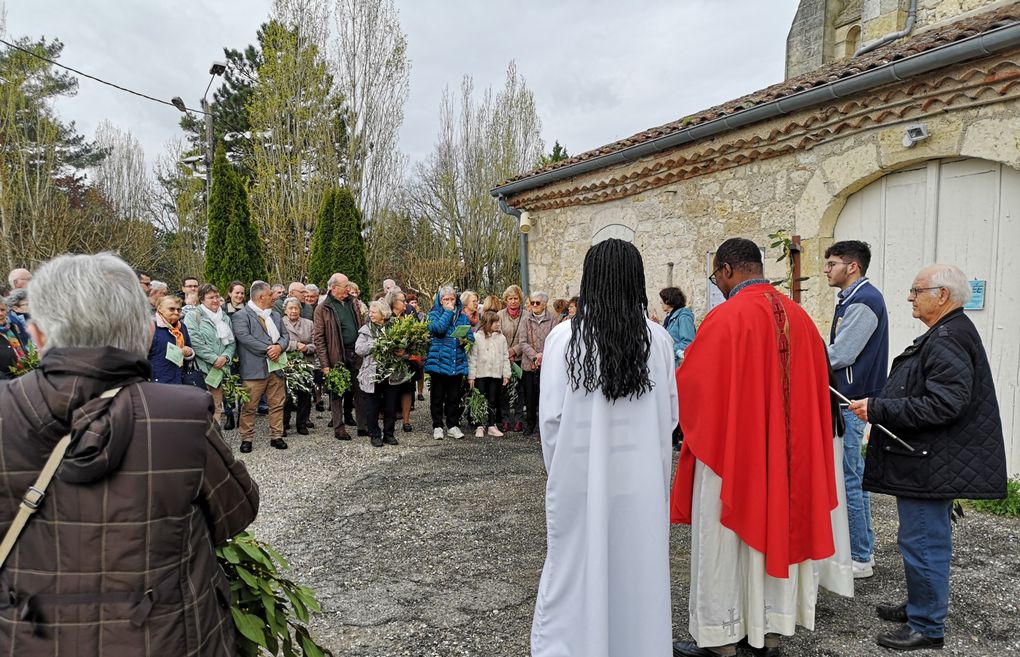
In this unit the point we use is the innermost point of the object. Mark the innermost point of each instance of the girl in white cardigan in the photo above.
(489, 369)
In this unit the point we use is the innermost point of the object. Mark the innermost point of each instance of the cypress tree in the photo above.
(321, 258)
(349, 243)
(337, 244)
(220, 209)
(243, 254)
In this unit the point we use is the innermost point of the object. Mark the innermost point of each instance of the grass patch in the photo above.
(1009, 507)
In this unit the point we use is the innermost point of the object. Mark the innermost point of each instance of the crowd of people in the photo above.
(202, 335)
(769, 419)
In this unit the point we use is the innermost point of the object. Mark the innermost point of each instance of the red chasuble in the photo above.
(754, 408)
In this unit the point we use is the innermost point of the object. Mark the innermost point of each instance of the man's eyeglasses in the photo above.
(914, 291)
(712, 279)
(831, 264)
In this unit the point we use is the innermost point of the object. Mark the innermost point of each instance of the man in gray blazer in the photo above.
(261, 339)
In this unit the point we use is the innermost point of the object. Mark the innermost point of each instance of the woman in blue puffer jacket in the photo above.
(447, 362)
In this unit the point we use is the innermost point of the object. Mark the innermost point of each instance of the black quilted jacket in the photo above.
(940, 399)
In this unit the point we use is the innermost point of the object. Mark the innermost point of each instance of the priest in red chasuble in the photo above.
(755, 479)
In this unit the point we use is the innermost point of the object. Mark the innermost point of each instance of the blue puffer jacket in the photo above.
(446, 355)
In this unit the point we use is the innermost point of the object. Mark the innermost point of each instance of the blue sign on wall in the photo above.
(977, 296)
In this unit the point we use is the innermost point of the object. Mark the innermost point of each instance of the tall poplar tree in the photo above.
(320, 266)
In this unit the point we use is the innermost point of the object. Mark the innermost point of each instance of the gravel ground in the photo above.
(433, 549)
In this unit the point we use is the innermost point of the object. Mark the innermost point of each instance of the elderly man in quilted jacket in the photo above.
(118, 559)
(940, 399)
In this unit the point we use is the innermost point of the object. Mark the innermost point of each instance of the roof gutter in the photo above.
(980, 45)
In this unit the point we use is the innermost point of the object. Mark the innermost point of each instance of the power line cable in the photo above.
(101, 81)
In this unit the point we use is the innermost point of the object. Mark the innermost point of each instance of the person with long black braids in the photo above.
(607, 411)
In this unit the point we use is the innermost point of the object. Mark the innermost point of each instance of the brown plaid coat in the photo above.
(119, 559)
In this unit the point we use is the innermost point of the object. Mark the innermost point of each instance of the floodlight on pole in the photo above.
(179, 104)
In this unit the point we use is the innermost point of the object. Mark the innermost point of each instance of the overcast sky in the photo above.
(599, 70)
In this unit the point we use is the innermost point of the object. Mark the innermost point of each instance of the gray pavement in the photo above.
(433, 549)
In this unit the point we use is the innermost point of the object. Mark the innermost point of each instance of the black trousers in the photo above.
(303, 409)
(385, 400)
(493, 390)
(445, 399)
(529, 384)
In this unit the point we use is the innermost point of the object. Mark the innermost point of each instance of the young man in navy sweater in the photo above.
(859, 353)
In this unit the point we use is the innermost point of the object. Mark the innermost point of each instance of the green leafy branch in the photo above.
(269, 610)
(784, 242)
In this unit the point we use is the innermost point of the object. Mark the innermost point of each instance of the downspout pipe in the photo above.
(522, 242)
(988, 43)
(892, 36)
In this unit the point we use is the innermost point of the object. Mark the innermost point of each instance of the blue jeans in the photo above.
(926, 543)
(858, 501)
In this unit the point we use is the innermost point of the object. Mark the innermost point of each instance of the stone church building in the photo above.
(898, 124)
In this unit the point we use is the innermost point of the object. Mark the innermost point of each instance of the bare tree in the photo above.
(480, 144)
(373, 74)
(122, 177)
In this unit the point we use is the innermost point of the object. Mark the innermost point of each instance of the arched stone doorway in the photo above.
(961, 211)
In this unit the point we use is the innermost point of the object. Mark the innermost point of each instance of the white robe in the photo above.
(605, 590)
(731, 594)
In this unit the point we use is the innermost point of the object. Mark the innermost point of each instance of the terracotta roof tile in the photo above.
(895, 51)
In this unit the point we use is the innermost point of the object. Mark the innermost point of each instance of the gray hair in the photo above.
(17, 296)
(467, 294)
(334, 280)
(65, 311)
(953, 280)
(312, 287)
(447, 290)
(277, 286)
(290, 300)
(540, 295)
(383, 308)
(258, 288)
(157, 286)
(391, 296)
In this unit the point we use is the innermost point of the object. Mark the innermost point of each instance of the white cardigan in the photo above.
(488, 358)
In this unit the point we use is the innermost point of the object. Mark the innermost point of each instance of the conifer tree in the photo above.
(220, 210)
(243, 254)
(349, 242)
(338, 245)
(320, 266)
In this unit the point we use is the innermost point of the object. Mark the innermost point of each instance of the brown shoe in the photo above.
(342, 435)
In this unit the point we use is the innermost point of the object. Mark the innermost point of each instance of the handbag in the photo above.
(35, 494)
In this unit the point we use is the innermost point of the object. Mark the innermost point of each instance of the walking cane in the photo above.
(877, 426)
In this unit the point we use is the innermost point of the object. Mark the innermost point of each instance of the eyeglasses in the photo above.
(712, 278)
(537, 303)
(914, 291)
(832, 264)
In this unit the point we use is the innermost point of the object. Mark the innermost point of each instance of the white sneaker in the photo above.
(479, 432)
(494, 432)
(863, 570)
(455, 432)
(437, 433)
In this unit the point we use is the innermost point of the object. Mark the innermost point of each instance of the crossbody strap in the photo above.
(33, 498)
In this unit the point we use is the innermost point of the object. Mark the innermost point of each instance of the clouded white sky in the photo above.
(600, 70)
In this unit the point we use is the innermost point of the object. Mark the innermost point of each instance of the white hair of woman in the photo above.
(466, 295)
(539, 295)
(157, 286)
(953, 280)
(17, 297)
(291, 300)
(64, 309)
(382, 307)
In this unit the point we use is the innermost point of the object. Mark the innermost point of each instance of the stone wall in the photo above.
(792, 174)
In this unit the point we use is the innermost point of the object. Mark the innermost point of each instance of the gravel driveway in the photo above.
(433, 548)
